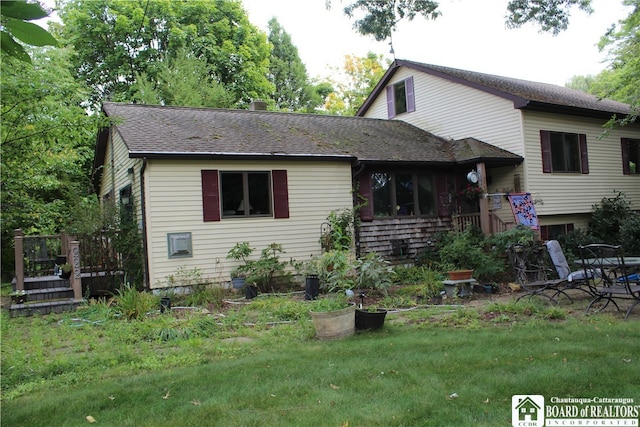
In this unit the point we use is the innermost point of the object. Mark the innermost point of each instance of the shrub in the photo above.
(133, 304)
(374, 272)
(608, 216)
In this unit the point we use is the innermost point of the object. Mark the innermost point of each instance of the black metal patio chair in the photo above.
(610, 280)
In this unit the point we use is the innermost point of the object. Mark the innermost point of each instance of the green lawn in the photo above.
(427, 367)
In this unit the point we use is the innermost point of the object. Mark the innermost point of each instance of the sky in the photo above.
(470, 35)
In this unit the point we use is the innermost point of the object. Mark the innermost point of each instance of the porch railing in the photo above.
(462, 221)
(37, 256)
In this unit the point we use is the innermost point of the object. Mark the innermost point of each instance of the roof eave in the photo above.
(237, 156)
(568, 110)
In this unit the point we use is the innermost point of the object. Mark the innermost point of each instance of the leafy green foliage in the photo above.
(381, 17)
(337, 272)
(184, 80)
(613, 222)
(551, 15)
(620, 80)
(134, 305)
(47, 141)
(339, 236)
(13, 17)
(287, 73)
(117, 40)
(355, 82)
(374, 272)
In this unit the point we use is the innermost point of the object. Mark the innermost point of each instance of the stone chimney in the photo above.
(258, 105)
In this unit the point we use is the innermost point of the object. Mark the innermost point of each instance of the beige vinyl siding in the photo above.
(174, 204)
(116, 176)
(456, 111)
(575, 193)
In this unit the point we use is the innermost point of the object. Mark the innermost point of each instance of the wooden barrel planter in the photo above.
(332, 325)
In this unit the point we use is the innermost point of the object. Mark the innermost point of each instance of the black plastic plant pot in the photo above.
(312, 287)
(250, 291)
(370, 319)
(165, 304)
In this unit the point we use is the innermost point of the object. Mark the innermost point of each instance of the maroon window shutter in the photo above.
(366, 197)
(391, 109)
(626, 170)
(411, 98)
(545, 143)
(280, 194)
(210, 196)
(584, 158)
(544, 232)
(569, 227)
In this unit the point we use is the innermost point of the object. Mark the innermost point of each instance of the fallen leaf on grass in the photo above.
(335, 387)
(112, 397)
(486, 401)
(453, 395)
(90, 419)
(166, 396)
(195, 402)
(626, 360)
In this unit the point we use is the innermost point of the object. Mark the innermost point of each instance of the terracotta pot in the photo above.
(460, 274)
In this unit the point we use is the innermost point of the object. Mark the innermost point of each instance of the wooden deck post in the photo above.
(18, 237)
(74, 259)
(485, 225)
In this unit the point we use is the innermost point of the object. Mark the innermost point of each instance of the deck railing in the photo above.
(37, 256)
(462, 221)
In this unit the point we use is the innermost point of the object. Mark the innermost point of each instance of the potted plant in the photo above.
(309, 270)
(333, 317)
(369, 318)
(65, 270)
(240, 252)
(19, 296)
(461, 254)
(375, 273)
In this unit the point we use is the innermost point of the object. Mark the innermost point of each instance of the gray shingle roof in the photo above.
(525, 94)
(160, 131)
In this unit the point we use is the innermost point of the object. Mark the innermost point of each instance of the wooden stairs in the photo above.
(47, 294)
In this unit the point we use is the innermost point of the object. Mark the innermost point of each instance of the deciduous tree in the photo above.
(116, 40)
(47, 141)
(380, 18)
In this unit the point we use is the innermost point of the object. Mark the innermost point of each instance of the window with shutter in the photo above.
(238, 194)
(564, 152)
(400, 98)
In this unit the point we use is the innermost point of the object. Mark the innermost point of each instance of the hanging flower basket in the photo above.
(471, 192)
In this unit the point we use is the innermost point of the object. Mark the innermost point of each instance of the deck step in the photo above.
(35, 295)
(44, 307)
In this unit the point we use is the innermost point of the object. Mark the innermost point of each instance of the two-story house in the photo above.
(570, 162)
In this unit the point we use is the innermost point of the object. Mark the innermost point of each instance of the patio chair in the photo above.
(531, 273)
(567, 279)
(610, 281)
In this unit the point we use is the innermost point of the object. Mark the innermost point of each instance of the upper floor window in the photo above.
(630, 156)
(402, 194)
(564, 152)
(400, 98)
(236, 194)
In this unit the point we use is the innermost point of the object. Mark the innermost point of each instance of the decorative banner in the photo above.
(523, 210)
